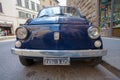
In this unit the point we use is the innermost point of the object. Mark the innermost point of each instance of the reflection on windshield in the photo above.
(50, 11)
(61, 11)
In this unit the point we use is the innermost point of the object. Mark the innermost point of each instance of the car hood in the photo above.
(57, 20)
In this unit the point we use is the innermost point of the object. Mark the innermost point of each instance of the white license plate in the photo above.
(56, 61)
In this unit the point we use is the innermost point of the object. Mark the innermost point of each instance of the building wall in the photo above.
(88, 8)
(47, 3)
(10, 14)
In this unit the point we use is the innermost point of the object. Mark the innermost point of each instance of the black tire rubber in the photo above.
(94, 61)
(25, 61)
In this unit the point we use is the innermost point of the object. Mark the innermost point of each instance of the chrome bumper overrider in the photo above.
(59, 53)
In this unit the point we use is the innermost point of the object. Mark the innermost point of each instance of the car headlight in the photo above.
(21, 33)
(18, 44)
(93, 32)
(97, 43)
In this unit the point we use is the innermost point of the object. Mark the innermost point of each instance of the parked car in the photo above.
(56, 36)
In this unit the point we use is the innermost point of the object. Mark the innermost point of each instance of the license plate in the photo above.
(56, 61)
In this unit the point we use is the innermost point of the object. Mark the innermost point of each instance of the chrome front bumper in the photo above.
(59, 53)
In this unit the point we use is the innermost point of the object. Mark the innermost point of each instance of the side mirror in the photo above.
(28, 21)
(90, 23)
(84, 17)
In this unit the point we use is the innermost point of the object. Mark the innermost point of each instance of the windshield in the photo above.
(61, 11)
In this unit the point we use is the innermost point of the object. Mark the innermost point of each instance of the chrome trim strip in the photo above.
(59, 53)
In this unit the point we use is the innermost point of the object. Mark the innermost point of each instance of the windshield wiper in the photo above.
(44, 16)
(58, 15)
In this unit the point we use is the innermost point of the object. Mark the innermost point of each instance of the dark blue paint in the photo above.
(55, 28)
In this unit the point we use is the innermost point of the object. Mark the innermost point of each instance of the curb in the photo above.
(116, 38)
(111, 68)
(7, 37)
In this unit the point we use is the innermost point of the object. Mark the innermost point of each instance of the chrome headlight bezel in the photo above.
(21, 33)
(93, 32)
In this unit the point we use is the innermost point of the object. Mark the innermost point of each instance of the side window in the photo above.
(69, 11)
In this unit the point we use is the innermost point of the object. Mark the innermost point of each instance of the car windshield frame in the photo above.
(59, 11)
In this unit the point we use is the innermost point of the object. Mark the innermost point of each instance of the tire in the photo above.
(25, 61)
(94, 61)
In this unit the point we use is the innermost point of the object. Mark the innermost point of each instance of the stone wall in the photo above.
(48, 3)
(88, 8)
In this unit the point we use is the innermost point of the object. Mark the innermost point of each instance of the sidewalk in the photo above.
(113, 55)
(6, 37)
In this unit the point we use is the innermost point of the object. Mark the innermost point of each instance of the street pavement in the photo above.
(11, 69)
(113, 47)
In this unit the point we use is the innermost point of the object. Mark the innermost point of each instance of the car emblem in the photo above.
(56, 35)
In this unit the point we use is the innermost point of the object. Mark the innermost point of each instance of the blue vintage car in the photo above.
(56, 36)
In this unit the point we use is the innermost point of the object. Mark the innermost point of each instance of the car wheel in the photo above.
(25, 61)
(94, 61)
